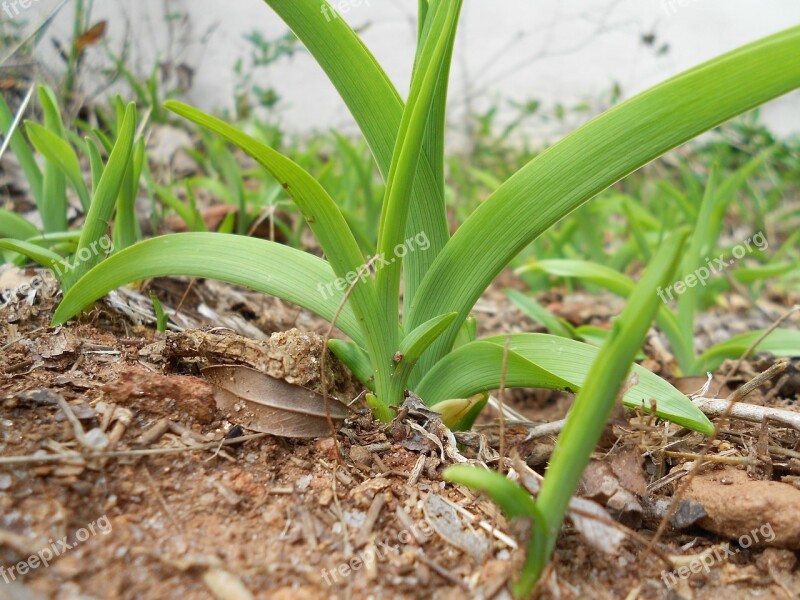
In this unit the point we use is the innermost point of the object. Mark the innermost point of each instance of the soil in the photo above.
(179, 505)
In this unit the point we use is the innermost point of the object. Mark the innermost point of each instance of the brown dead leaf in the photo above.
(268, 405)
(628, 466)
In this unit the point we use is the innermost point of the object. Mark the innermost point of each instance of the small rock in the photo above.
(360, 456)
(758, 513)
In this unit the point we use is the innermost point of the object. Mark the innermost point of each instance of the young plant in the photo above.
(585, 423)
(431, 350)
(701, 262)
(113, 185)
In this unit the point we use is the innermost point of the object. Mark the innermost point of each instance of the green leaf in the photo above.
(329, 226)
(21, 150)
(623, 285)
(352, 355)
(546, 361)
(595, 402)
(590, 160)
(105, 197)
(753, 274)
(16, 227)
(541, 315)
(53, 208)
(42, 256)
(781, 342)
(377, 108)
(419, 340)
(515, 501)
(459, 414)
(416, 342)
(261, 265)
(59, 152)
(410, 140)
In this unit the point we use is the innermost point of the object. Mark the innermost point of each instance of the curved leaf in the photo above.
(59, 152)
(595, 402)
(323, 217)
(622, 285)
(548, 361)
(261, 265)
(105, 196)
(590, 160)
(781, 342)
(377, 108)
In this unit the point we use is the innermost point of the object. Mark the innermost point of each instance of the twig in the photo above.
(728, 460)
(545, 429)
(77, 428)
(755, 344)
(747, 412)
(501, 399)
(18, 460)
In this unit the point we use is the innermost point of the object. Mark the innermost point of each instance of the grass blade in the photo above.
(590, 160)
(258, 264)
(595, 402)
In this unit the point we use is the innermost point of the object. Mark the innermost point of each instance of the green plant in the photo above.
(585, 423)
(70, 254)
(701, 261)
(443, 282)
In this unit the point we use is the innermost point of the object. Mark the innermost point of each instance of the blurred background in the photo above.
(569, 59)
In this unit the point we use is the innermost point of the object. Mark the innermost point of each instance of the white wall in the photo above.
(552, 50)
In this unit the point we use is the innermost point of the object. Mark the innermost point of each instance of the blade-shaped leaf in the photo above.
(105, 196)
(262, 265)
(623, 285)
(408, 148)
(20, 148)
(325, 220)
(548, 361)
(781, 342)
(595, 402)
(377, 108)
(591, 159)
(57, 150)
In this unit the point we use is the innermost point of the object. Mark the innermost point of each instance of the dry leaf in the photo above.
(262, 403)
(446, 522)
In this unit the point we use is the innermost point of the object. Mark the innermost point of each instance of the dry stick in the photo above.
(501, 400)
(325, 354)
(266, 213)
(18, 460)
(755, 344)
(177, 311)
(733, 399)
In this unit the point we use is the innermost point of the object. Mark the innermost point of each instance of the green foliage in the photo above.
(585, 423)
(447, 278)
(114, 186)
(703, 261)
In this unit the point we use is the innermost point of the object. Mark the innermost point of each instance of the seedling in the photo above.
(113, 185)
(701, 262)
(442, 283)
